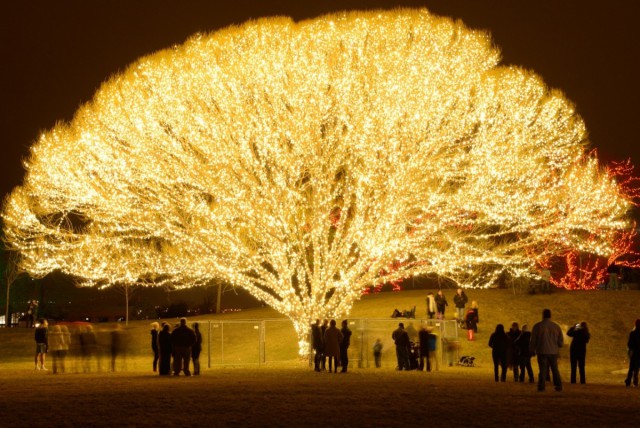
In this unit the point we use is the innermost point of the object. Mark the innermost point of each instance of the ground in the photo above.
(296, 396)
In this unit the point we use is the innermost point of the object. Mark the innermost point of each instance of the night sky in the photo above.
(55, 54)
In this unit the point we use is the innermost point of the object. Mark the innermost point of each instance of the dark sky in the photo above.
(55, 54)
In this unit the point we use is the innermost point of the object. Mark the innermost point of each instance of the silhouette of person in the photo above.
(633, 347)
(499, 344)
(42, 343)
(164, 348)
(316, 343)
(155, 329)
(524, 354)
(546, 341)
(401, 340)
(182, 340)
(344, 345)
(332, 340)
(196, 349)
(578, 349)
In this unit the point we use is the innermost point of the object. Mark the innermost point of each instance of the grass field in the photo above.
(288, 393)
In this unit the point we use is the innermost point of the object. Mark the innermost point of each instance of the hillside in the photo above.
(610, 316)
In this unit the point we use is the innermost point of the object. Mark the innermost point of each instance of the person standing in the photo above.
(332, 340)
(441, 304)
(155, 327)
(423, 337)
(401, 339)
(377, 353)
(524, 354)
(42, 343)
(344, 345)
(499, 342)
(474, 308)
(164, 349)
(546, 341)
(470, 323)
(633, 347)
(431, 305)
(578, 349)
(182, 339)
(460, 300)
(323, 359)
(316, 343)
(58, 345)
(196, 349)
(513, 352)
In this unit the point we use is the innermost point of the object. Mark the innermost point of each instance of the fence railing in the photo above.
(255, 342)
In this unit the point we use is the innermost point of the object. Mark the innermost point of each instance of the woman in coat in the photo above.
(578, 350)
(499, 343)
(332, 339)
(164, 348)
(155, 328)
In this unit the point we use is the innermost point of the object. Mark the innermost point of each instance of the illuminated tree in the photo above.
(301, 161)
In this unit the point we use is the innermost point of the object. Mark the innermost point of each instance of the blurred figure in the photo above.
(377, 353)
(118, 347)
(155, 329)
(474, 308)
(460, 300)
(546, 341)
(89, 348)
(42, 343)
(332, 340)
(164, 349)
(431, 305)
(578, 349)
(524, 354)
(344, 345)
(633, 347)
(316, 343)
(423, 337)
(323, 329)
(499, 343)
(196, 349)
(441, 305)
(58, 345)
(182, 340)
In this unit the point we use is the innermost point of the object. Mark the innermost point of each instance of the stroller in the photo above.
(467, 361)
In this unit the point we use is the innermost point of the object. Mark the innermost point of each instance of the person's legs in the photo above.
(574, 363)
(516, 371)
(581, 366)
(496, 364)
(503, 365)
(542, 371)
(186, 361)
(557, 381)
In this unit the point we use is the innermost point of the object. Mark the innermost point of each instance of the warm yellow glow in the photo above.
(300, 160)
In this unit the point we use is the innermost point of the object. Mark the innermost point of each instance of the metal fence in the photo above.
(256, 342)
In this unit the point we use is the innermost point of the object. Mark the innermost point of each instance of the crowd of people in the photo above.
(175, 349)
(78, 348)
(332, 344)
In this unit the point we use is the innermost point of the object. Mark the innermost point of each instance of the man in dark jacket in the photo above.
(401, 339)
(460, 300)
(633, 346)
(344, 345)
(182, 339)
(546, 341)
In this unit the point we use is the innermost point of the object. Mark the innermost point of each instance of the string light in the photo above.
(301, 161)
